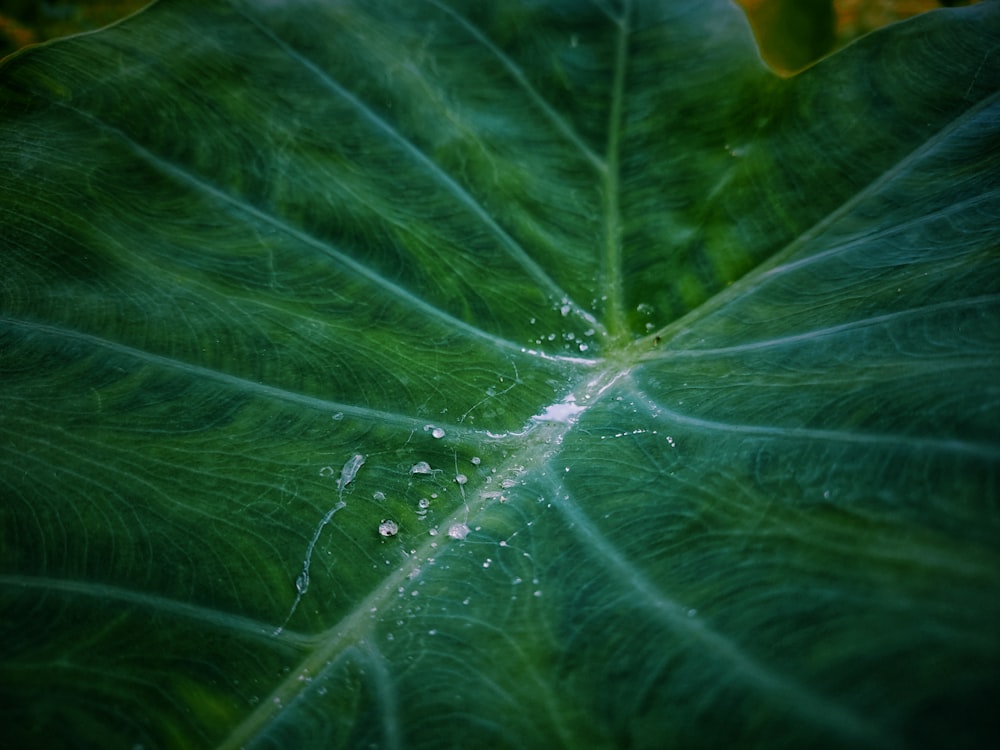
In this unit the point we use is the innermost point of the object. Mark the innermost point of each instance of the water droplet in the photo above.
(423, 502)
(461, 479)
(458, 531)
(327, 471)
(388, 527)
(379, 496)
(436, 432)
(338, 416)
(476, 460)
(421, 467)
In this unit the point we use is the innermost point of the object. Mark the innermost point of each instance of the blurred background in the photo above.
(792, 33)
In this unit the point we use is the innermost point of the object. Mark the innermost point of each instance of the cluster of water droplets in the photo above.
(574, 342)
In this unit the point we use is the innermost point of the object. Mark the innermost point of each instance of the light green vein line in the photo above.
(104, 593)
(388, 701)
(400, 293)
(238, 384)
(819, 333)
(510, 245)
(982, 451)
(674, 615)
(612, 187)
(357, 625)
(557, 120)
(989, 199)
(750, 281)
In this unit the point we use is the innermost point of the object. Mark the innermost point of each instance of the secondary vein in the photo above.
(612, 186)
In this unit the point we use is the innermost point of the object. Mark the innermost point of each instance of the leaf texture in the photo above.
(676, 380)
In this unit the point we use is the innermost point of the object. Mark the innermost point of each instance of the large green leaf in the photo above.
(678, 381)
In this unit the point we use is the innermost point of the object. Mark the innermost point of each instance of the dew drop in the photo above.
(327, 471)
(338, 416)
(461, 479)
(423, 503)
(436, 432)
(379, 496)
(388, 527)
(458, 531)
(421, 467)
(476, 460)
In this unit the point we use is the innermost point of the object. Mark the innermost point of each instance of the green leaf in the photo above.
(432, 374)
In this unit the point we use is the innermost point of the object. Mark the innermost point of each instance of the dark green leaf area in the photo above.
(515, 374)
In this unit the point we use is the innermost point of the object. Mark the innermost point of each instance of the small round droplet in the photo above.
(458, 531)
(476, 460)
(379, 496)
(461, 479)
(388, 527)
(338, 416)
(421, 467)
(436, 432)
(423, 503)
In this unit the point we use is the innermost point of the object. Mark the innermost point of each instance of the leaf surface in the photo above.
(533, 374)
